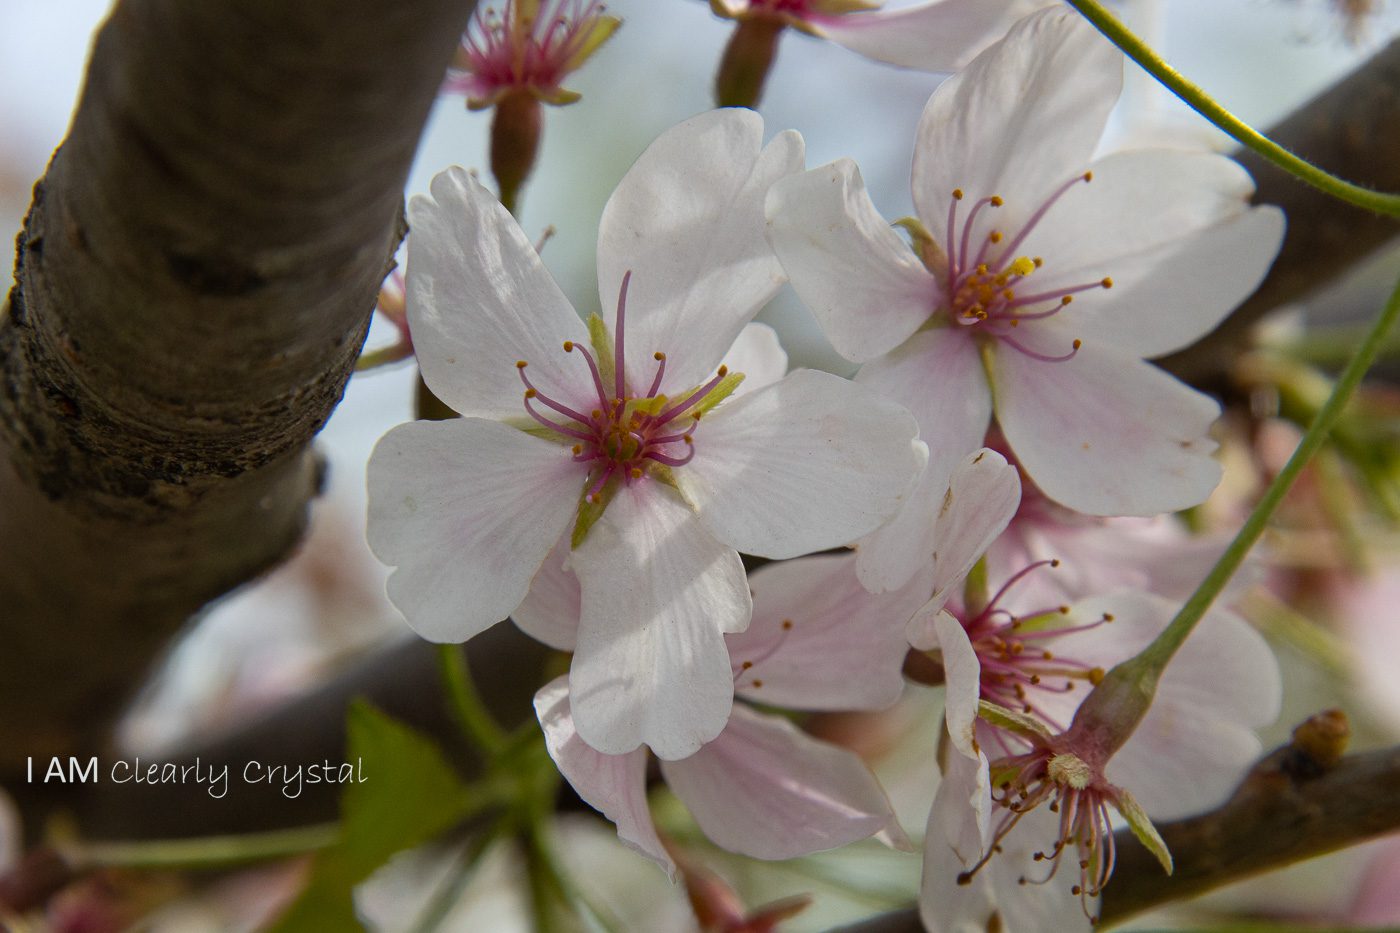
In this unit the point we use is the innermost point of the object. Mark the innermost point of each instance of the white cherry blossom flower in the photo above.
(1039, 282)
(606, 447)
(763, 788)
(941, 35)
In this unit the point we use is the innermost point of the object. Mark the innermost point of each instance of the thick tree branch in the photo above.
(194, 281)
(1350, 129)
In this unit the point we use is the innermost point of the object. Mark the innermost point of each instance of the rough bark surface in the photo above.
(1349, 130)
(193, 283)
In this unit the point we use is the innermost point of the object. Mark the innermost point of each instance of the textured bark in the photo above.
(194, 281)
(1351, 131)
(1293, 805)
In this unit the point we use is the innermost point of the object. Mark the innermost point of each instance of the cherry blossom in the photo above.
(1038, 282)
(763, 788)
(941, 35)
(529, 48)
(622, 436)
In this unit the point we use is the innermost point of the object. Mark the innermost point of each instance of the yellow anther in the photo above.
(787, 623)
(997, 201)
(596, 413)
(578, 449)
(1015, 322)
(636, 472)
(722, 371)
(688, 439)
(1024, 265)
(568, 346)
(982, 268)
(757, 684)
(1096, 676)
(957, 194)
(1107, 282)
(994, 236)
(1077, 343)
(1009, 294)
(520, 364)
(1067, 299)
(746, 665)
(658, 356)
(530, 393)
(1088, 176)
(1038, 262)
(1108, 617)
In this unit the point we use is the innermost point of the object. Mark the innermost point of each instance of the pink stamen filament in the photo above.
(621, 432)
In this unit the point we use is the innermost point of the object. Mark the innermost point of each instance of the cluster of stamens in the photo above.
(1083, 800)
(985, 287)
(627, 432)
(525, 47)
(1013, 656)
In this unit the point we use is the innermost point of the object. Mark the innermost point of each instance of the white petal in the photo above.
(658, 594)
(687, 220)
(759, 356)
(938, 376)
(1028, 906)
(479, 299)
(767, 790)
(963, 674)
(1174, 231)
(819, 640)
(466, 510)
(1105, 433)
(1168, 298)
(551, 610)
(938, 36)
(762, 462)
(1019, 121)
(615, 785)
(862, 282)
(956, 837)
(981, 500)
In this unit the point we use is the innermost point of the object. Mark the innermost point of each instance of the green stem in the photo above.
(1166, 644)
(467, 705)
(1202, 103)
(208, 851)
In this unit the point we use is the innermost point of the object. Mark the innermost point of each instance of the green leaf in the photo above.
(1142, 828)
(408, 795)
(1012, 721)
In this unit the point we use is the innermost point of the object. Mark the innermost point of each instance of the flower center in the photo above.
(1080, 796)
(987, 283)
(1013, 654)
(530, 43)
(628, 433)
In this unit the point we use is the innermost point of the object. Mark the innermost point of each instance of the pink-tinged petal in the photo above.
(759, 356)
(938, 36)
(1366, 607)
(963, 678)
(687, 220)
(767, 790)
(1018, 122)
(1105, 433)
(614, 785)
(479, 300)
(1197, 741)
(763, 460)
(819, 640)
(981, 500)
(1168, 298)
(862, 282)
(1025, 904)
(938, 376)
(658, 595)
(551, 610)
(956, 836)
(466, 510)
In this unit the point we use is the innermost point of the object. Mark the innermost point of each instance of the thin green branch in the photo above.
(467, 705)
(1161, 650)
(1202, 103)
(205, 852)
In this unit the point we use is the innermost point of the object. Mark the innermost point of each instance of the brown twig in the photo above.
(194, 280)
